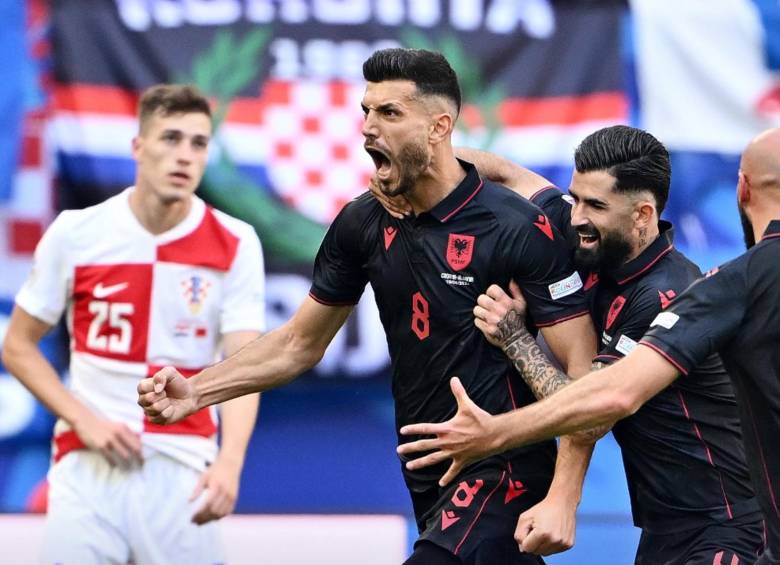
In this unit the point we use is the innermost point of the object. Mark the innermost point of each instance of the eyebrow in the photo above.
(589, 201)
(382, 107)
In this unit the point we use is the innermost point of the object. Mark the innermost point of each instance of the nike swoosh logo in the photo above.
(101, 291)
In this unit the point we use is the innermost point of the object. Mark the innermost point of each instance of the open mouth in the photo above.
(588, 238)
(381, 161)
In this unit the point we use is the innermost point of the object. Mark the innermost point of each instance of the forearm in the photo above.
(570, 467)
(266, 363)
(25, 362)
(595, 400)
(237, 422)
(541, 376)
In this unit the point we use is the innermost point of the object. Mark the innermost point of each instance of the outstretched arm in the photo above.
(596, 399)
(268, 362)
(498, 169)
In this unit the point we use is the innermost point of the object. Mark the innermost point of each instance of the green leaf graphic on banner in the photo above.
(222, 72)
(481, 98)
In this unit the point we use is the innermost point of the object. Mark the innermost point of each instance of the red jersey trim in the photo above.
(646, 267)
(328, 303)
(210, 245)
(481, 509)
(665, 355)
(539, 192)
(66, 442)
(706, 450)
(462, 204)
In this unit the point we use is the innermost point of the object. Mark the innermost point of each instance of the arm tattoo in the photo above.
(510, 328)
(542, 377)
(539, 374)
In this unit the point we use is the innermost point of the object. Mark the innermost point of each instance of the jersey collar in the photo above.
(456, 200)
(662, 245)
(772, 230)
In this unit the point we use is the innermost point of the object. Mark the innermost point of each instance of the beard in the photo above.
(747, 229)
(612, 251)
(412, 162)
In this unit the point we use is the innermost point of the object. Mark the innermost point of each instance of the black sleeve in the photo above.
(556, 206)
(702, 319)
(542, 267)
(629, 323)
(339, 277)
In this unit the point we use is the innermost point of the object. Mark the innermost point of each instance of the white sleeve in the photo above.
(243, 302)
(44, 294)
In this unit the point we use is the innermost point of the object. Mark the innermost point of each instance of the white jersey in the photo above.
(137, 302)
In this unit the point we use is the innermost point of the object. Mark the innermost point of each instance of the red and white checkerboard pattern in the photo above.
(315, 155)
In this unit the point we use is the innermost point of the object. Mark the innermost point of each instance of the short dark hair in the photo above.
(167, 99)
(428, 70)
(636, 159)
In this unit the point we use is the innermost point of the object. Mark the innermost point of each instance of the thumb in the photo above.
(162, 378)
(524, 527)
(200, 486)
(514, 289)
(459, 392)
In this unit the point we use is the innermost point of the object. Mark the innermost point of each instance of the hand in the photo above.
(396, 206)
(465, 438)
(498, 316)
(113, 440)
(167, 397)
(547, 528)
(221, 480)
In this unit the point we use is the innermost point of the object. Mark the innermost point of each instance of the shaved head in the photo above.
(761, 160)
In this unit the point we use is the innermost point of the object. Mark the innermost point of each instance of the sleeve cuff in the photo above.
(669, 353)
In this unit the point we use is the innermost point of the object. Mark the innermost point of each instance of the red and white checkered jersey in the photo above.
(136, 302)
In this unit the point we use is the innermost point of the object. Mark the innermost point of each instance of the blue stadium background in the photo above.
(325, 444)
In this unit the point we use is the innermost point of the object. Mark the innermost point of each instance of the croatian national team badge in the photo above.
(195, 291)
(460, 249)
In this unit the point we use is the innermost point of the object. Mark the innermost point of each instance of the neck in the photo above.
(155, 215)
(644, 241)
(764, 208)
(442, 176)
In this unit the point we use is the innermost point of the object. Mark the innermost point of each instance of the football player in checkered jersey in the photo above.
(150, 277)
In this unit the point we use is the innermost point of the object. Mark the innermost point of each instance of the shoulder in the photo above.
(239, 228)
(88, 223)
(673, 272)
(360, 212)
(505, 205)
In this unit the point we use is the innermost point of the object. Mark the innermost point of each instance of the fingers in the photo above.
(129, 446)
(496, 293)
(514, 289)
(163, 377)
(451, 473)
(524, 526)
(459, 392)
(145, 386)
(418, 446)
(202, 481)
(218, 504)
(426, 461)
(421, 430)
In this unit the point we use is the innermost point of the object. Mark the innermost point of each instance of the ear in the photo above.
(743, 188)
(440, 128)
(645, 214)
(136, 146)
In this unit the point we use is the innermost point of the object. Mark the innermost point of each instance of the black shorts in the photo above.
(476, 516)
(737, 542)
